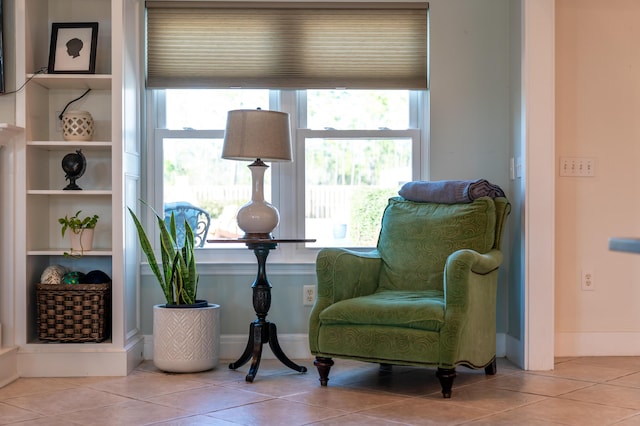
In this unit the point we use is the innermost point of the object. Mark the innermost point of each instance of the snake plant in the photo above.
(177, 273)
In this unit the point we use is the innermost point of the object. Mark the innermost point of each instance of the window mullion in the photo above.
(283, 188)
(421, 169)
(301, 97)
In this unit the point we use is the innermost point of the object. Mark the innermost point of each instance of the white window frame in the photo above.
(287, 179)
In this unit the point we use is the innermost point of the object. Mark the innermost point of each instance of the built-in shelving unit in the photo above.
(106, 183)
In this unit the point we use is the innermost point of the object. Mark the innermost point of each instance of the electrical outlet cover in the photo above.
(308, 295)
(588, 282)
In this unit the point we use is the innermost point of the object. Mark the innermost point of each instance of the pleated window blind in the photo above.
(208, 44)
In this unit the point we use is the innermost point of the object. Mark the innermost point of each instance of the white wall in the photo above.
(469, 90)
(515, 243)
(470, 103)
(598, 116)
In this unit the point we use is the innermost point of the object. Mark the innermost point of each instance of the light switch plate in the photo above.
(577, 166)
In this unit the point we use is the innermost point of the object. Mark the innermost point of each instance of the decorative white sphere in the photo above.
(53, 274)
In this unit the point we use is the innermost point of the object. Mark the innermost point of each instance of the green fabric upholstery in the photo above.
(431, 232)
(426, 296)
(423, 310)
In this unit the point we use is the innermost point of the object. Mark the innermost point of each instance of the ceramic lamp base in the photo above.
(258, 218)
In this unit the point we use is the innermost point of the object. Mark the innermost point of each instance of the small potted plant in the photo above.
(186, 331)
(81, 232)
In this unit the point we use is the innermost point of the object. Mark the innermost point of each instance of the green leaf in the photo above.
(178, 277)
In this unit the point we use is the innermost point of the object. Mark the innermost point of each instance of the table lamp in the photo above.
(257, 135)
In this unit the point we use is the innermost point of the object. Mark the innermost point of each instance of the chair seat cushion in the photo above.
(422, 310)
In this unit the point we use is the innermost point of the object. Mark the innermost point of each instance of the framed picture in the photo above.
(1, 48)
(73, 48)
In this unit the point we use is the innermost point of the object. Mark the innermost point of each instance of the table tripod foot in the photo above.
(246, 355)
(278, 352)
(257, 352)
(253, 370)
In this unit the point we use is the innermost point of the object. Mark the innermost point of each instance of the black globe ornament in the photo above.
(74, 165)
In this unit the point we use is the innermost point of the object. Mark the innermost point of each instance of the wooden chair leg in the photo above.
(385, 368)
(491, 369)
(446, 376)
(323, 365)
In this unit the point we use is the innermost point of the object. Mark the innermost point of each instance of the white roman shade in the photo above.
(209, 44)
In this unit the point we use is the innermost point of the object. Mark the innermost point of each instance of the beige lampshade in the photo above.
(255, 133)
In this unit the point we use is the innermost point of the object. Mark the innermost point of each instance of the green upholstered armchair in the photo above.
(425, 297)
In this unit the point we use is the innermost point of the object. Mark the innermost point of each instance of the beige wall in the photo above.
(598, 116)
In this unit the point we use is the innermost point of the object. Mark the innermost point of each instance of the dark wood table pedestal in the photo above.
(262, 331)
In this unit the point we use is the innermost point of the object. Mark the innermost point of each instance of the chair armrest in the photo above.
(470, 286)
(342, 274)
(464, 275)
(465, 261)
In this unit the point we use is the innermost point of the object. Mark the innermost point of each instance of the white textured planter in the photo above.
(81, 241)
(186, 340)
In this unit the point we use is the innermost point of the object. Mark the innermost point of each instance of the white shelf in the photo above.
(80, 193)
(67, 145)
(61, 252)
(72, 81)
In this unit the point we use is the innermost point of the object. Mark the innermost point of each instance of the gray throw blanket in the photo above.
(449, 191)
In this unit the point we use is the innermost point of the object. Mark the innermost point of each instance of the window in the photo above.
(358, 148)
(191, 147)
(352, 151)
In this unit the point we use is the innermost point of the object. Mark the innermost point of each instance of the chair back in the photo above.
(197, 218)
(417, 238)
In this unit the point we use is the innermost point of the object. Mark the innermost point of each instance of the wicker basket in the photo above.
(74, 313)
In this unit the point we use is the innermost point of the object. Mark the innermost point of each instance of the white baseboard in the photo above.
(295, 346)
(501, 345)
(8, 365)
(597, 344)
(32, 361)
(514, 351)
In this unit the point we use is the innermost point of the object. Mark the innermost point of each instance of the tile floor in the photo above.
(580, 391)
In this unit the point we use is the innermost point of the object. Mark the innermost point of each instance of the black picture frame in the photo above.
(73, 48)
(2, 87)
